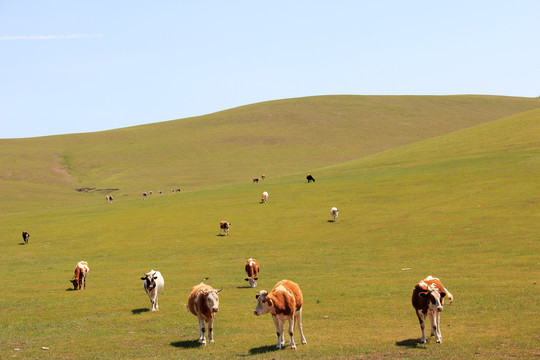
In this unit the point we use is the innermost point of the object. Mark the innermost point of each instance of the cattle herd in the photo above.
(285, 300)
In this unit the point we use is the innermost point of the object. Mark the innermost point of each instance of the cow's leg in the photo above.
(202, 339)
(421, 318)
(279, 332)
(154, 300)
(298, 320)
(84, 282)
(438, 336)
(211, 329)
(291, 331)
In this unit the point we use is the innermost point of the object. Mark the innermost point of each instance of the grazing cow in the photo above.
(428, 299)
(160, 192)
(310, 178)
(109, 199)
(145, 195)
(256, 180)
(153, 284)
(224, 226)
(178, 190)
(263, 176)
(284, 302)
(172, 190)
(264, 197)
(334, 212)
(204, 304)
(252, 270)
(25, 236)
(79, 278)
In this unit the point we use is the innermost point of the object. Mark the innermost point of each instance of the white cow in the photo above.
(334, 212)
(264, 197)
(153, 284)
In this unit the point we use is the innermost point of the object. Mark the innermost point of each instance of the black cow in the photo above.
(310, 178)
(25, 236)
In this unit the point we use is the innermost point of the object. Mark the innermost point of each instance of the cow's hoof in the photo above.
(439, 341)
(293, 347)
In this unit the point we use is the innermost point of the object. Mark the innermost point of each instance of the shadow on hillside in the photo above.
(331, 221)
(244, 287)
(410, 343)
(70, 289)
(262, 349)
(22, 243)
(139, 311)
(186, 344)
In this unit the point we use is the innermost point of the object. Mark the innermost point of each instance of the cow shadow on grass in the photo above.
(139, 311)
(22, 243)
(410, 343)
(262, 349)
(186, 344)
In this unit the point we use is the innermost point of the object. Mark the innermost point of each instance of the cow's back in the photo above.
(294, 289)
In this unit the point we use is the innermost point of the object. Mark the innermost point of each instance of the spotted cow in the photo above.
(284, 302)
(153, 284)
(224, 226)
(80, 274)
(203, 302)
(427, 300)
(252, 269)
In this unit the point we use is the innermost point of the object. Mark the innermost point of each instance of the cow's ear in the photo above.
(155, 277)
(257, 296)
(443, 294)
(246, 279)
(423, 294)
(256, 278)
(143, 278)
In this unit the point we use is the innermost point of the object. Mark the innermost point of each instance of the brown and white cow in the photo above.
(109, 199)
(25, 236)
(427, 300)
(264, 197)
(224, 226)
(255, 180)
(153, 284)
(203, 302)
(263, 176)
(284, 302)
(79, 278)
(144, 195)
(252, 270)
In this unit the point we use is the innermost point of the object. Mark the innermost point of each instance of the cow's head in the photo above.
(433, 295)
(252, 281)
(149, 280)
(265, 303)
(76, 283)
(212, 299)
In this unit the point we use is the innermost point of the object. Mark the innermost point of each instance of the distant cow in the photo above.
(25, 236)
(178, 190)
(252, 269)
(264, 197)
(204, 303)
(224, 226)
(428, 299)
(79, 278)
(145, 195)
(263, 176)
(310, 178)
(109, 199)
(284, 302)
(256, 180)
(153, 284)
(334, 212)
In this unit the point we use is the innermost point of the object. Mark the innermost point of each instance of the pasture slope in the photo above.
(462, 205)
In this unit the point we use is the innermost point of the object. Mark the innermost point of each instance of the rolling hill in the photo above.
(276, 138)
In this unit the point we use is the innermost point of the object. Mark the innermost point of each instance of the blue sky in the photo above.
(80, 66)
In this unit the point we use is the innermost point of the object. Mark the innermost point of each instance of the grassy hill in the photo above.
(276, 138)
(461, 205)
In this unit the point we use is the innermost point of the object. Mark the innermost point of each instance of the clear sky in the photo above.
(71, 66)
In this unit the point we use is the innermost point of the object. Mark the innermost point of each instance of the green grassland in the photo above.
(442, 186)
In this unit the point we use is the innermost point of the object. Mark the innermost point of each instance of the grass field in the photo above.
(459, 202)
